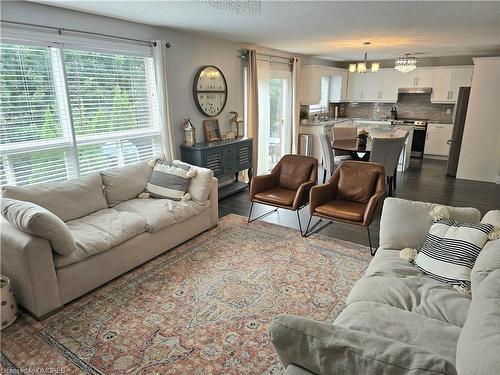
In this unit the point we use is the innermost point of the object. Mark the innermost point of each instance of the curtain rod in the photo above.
(60, 31)
(289, 59)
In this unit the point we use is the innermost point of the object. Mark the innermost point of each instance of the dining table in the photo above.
(357, 151)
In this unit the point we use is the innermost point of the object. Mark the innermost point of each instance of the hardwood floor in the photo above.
(423, 181)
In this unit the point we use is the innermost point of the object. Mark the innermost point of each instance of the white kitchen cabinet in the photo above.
(338, 86)
(363, 87)
(447, 82)
(420, 77)
(310, 85)
(355, 87)
(436, 140)
(390, 81)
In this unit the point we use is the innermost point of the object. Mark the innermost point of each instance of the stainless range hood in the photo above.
(415, 90)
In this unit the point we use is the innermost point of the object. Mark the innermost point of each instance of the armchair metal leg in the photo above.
(370, 241)
(394, 178)
(324, 175)
(310, 230)
(259, 217)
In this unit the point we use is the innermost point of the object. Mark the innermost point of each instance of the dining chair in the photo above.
(350, 196)
(401, 133)
(287, 186)
(386, 151)
(344, 132)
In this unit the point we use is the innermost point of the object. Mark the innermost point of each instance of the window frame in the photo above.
(69, 142)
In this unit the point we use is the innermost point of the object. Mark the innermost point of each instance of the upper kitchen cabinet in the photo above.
(363, 87)
(338, 86)
(310, 85)
(311, 79)
(422, 77)
(390, 82)
(447, 81)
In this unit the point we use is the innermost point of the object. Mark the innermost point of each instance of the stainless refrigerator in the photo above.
(459, 114)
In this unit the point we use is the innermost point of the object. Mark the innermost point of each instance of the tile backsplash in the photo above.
(408, 106)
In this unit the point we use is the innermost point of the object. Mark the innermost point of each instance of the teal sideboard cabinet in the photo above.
(226, 158)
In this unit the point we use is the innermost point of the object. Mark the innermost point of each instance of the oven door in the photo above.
(418, 143)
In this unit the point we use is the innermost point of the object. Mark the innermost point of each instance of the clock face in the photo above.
(210, 90)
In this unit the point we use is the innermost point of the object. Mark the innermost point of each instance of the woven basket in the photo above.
(8, 304)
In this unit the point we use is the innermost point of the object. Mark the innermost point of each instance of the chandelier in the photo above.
(362, 67)
(405, 64)
(241, 7)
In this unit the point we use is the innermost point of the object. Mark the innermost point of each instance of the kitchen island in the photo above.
(376, 128)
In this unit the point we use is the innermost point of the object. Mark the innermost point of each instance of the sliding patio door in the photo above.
(275, 113)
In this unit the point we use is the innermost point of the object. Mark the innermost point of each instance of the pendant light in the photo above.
(362, 67)
(405, 64)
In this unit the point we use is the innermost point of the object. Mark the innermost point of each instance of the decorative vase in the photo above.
(362, 141)
(8, 304)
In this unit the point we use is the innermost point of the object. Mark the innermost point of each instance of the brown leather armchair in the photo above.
(287, 186)
(350, 196)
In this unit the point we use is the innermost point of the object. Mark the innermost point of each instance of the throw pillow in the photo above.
(32, 218)
(169, 180)
(451, 249)
(355, 185)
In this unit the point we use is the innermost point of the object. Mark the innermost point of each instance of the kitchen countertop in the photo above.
(333, 121)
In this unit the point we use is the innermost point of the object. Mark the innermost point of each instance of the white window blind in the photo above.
(67, 112)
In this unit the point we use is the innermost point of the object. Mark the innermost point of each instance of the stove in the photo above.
(419, 134)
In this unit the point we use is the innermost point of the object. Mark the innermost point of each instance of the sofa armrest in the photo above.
(28, 261)
(213, 197)
(258, 184)
(323, 348)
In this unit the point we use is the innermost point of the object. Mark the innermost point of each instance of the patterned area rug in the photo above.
(201, 308)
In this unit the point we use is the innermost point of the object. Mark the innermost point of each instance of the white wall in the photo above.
(189, 51)
(480, 152)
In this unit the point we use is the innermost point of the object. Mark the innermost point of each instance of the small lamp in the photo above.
(189, 133)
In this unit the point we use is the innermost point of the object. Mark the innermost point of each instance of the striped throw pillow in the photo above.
(451, 249)
(169, 180)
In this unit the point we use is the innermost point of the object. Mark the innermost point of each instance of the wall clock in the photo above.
(210, 90)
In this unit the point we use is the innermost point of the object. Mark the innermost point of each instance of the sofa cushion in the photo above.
(200, 184)
(487, 262)
(68, 200)
(390, 281)
(479, 342)
(406, 223)
(100, 231)
(169, 180)
(356, 185)
(451, 249)
(160, 213)
(32, 218)
(323, 348)
(124, 183)
(345, 210)
(413, 329)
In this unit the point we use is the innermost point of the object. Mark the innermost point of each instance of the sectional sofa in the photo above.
(111, 231)
(400, 321)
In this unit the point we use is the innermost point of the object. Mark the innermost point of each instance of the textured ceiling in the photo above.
(329, 29)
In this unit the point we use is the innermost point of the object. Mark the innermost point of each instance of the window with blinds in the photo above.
(67, 112)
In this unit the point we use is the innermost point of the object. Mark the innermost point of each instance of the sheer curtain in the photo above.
(263, 72)
(295, 104)
(167, 132)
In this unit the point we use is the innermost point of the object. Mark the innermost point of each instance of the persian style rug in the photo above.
(201, 308)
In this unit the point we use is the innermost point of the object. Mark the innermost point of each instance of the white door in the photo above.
(462, 77)
(437, 137)
(275, 117)
(390, 81)
(442, 85)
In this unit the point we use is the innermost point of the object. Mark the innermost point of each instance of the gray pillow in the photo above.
(31, 218)
(169, 180)
(124, 183)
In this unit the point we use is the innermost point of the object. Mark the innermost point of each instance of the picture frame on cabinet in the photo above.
(212, 130)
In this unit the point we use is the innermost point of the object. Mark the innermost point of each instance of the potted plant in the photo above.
(362, 137)
(304, 115)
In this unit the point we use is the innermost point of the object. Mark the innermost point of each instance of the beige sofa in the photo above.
(104, 231)
(400, 321)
